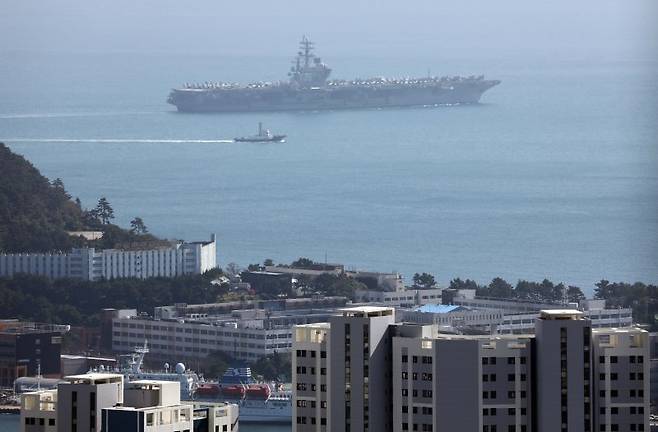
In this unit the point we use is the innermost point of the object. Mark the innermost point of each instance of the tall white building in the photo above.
(565, 377)
(179, 259)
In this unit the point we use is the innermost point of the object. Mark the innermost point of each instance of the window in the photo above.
(511, 360)
(511, 377)
(405, 358)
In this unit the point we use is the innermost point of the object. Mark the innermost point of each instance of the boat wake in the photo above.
(73, 114)
(116, 140)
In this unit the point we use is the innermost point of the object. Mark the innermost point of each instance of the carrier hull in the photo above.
(287, 98)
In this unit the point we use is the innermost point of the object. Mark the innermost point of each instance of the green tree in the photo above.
(303, 263)
(268, 262)
(463, 284)
(575, 294)
(137, 226)
(104, 211)
(499, 287)
(424, 281)
(233, 269)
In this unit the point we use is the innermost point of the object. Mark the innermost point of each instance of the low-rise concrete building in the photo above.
(246, 334)
(99, 402)
(175, 259)
(29, 348)
(405, 298)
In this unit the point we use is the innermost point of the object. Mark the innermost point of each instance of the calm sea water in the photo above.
(11, 423)
(554, 175)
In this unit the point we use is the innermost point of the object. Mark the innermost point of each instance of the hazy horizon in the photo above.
(564, 30)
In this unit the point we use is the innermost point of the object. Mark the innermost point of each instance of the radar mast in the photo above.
(308, 71)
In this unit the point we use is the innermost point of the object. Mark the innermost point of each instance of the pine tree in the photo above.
(137, 226)
(104, 211)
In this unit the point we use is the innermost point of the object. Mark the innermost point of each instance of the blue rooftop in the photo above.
(438, 308)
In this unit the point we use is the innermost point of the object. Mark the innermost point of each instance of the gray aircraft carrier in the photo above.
(308, 89)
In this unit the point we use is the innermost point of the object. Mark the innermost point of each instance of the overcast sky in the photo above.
(565, 28)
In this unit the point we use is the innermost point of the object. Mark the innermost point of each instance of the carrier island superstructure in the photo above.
(308, 89)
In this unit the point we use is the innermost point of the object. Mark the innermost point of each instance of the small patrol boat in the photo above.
(264, 135)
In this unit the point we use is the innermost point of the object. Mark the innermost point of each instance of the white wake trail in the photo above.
(116, 140)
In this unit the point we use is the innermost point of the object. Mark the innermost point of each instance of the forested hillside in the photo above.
(36, 214)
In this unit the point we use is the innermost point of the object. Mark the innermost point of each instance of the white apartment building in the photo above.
(244, 334)
(406, 297)
(149, 406)
(39, 411)
(311, 378)
(621, 379)
(90, 264)
(504, 318)
(100, 402)
(82, 397)
(565, 377)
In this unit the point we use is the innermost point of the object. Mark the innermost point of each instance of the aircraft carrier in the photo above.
(308, 89)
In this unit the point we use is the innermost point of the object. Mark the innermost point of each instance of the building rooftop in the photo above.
(560, 314)
(609, 330)
(320, 325)
(93, 378)
(367, 311)
(438, 308)
(13, 326)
